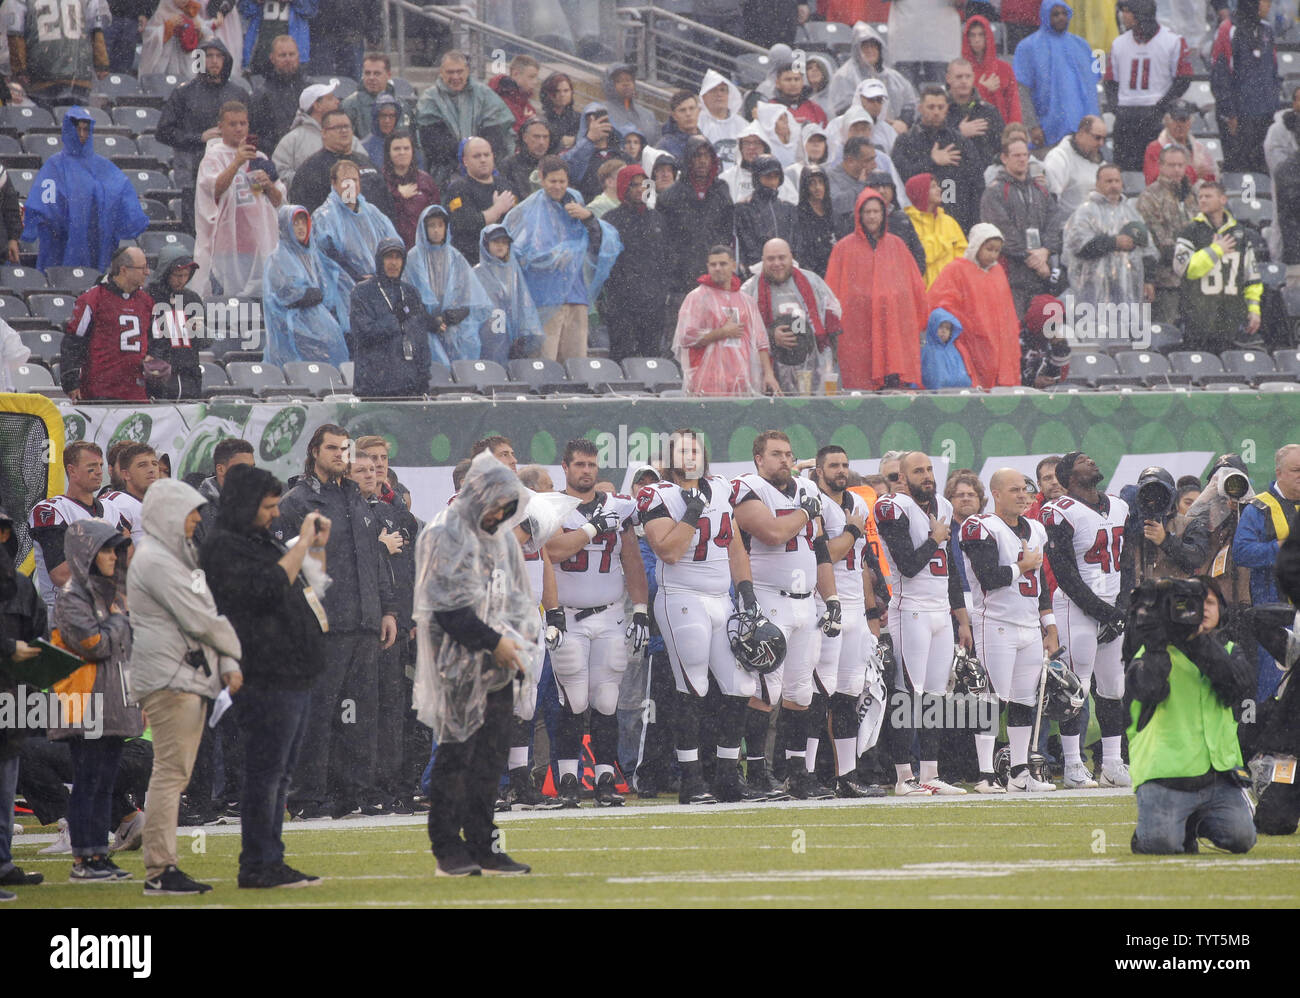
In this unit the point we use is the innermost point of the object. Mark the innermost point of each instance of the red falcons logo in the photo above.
(886, 511)
(43, 516)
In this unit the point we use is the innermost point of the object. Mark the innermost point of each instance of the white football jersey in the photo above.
(1098, 540)
(132, 511)
(1146, 70)
(60, 511)
(705, 568)
(1018, 602)
(594, 576)
(791, 567)
(928, 588)
(848, 570)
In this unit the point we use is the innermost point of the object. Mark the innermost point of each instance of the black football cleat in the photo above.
(570, 791)
(847, 786)
(606, 795)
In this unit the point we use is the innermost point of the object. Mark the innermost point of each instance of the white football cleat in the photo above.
(1077, 777)
(912, 788)
(1115, 774)
(941, 789)
(1025, 783)
(63, 844)
(986, 786)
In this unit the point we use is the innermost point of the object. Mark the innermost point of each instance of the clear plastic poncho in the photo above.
(346, 241)
(445, 280)
(1113, 277)
(514, 316)
(553, 250)
(310, 333)
(1214, 507)
(459, 564)
(726, 367)
(234, 235)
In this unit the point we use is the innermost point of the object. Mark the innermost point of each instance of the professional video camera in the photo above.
(1166, 610)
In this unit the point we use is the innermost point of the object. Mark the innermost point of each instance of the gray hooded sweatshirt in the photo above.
(172, 611)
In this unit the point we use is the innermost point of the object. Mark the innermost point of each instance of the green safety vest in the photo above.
(1189, 734)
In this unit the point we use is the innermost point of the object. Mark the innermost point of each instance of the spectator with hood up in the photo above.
(816, 236)
(739, 177)
(637, 289)
(597, 144)
(697, 213)
(624, 109)
(178, 335)
(721, 121)
(995, 80)
(390, 330)
(451, 294)
(348, 230)
(765, 216)
(90, 207)
(299, 325)
(386, 117)
(897, 220)
(868, 62)
(514, 330)
(1056, 76)
(940, 235)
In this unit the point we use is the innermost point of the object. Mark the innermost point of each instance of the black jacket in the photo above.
(272, 109)
(388, 322)
(186, 381)
(466, 200)
(22, 618)
(692, 224)
(765, 216)
(911, 156)
(311, 183)
(1286, 190)
(401, 566)
(643, 272)
(195, 106)
(988, 147)
(11, 219)
(517, 169)
(361, 593)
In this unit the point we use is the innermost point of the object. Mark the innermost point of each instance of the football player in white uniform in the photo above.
(139, 468)
(688, 524)
(842, 663)
(1085, 543)
(914, 531)
(83, 464)
(781, 519)
(597, 558)
(1012, 622)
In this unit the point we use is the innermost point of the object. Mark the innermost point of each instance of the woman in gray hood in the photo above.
(184, 653)
(90, 616)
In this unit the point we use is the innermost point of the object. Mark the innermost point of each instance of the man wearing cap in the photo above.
(1178, 132)
(305, 138)
(189, 118)
(1107, 250)
(311, 183)
(1071, 164)
(873, 96)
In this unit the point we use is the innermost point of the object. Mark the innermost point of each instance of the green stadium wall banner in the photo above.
(1123, 432)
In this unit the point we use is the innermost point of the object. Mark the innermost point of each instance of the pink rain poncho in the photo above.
(723, 367)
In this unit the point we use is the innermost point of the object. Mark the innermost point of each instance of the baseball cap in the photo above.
(310, 95)
(871, 88)
(1182, 109)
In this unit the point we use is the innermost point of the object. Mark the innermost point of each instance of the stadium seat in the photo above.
(545, 377)
(1165, 337)
(1279, 386)
(159, 84)
(11, 306)
(1086, 368)
(440, 380)
(24, 119)
(156, 212)
(404, 90)
(1205, 368)
(147, 181)
(1250, 365)
(137, 119)
(1134, 182)
(71, 280)
(346, 369)
(1256, 213)
(28, 377)
(23, 180)
(1288, 362)
(43, 343)
(1248, 186)
(42, 144)
(318, 376)
(150, 146)
(658, 374)
(751, 70)
(153, 242)
(56, 308)
(22, 279)
(116, 85)
(10, 147)
(600, 375)
(344, 87)
(1151, 367)
(112, 146)
(825, 36)
(486, 376)
(1226, 386)
(214, 379)
(1200, 94)
(259, 378)
(1273, 275)
(102, 118)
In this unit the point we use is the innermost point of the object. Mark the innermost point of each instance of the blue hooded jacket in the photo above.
(554, 250)
(300, 14)
(346, 241)
(942, 365)
(81, 205)
(445, 280)
(514, 316)
(1058, 70)
(298, 325)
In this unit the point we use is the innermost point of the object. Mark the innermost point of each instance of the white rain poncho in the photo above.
(811, 130)
(459, 564)
(1218, 514)
(346, 241)
(739, 179)
(514, 316)
(234, 236)
(724, 133)
(445, 281)
(13, 353)
(767, 115)
(161, 48)
(1112, 277)
(292, 271)
(899, 90)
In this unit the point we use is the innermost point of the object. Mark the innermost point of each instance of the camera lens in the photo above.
(1235, 485)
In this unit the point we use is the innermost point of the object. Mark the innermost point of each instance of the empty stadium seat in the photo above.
(1288, 361)
(1204, 368)
(486, 376)
(545, 377)
(145, 181)
(10, 146)
(155, 211)
(22, 119)
(112, 146)
(258, 377)
(11, 306)
(1214, 148)
(751, 70)
(153, 242)
(440, 380)
(22, 279)
(137, 119)
(56, 308)
(1134, 182)
(404, 90)
(1251, 365)
(1151, 367)
(1279, 386)
(71, 280)
(1257, 213)
(346, 369)
(148, 145)
(214, 379)
(43, 343)
(116, 85)
(1165, 337)
(315, 375)
(1273, 275)
(28, 377)
(1248, 186)
(600, 375)
(1200, 94)
(656, 373)
(42, 144)
(159, 84)
(23, 180)
(825, 36)
(1225, 386)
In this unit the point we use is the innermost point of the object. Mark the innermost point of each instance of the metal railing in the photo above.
(676, 51)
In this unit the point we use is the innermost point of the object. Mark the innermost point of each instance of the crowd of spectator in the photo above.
(1121, 211)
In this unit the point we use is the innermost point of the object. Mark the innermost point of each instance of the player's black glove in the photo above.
(695, 503)
(556, 628)
(639, 629)
(885, 652)
(831, 619)
(745, 590)
(1109, 631)
(604, 522)
(811, 505)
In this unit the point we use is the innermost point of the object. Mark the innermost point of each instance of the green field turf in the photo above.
(1070, 849)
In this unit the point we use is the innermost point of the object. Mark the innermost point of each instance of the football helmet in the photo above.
(1002, 766)
(968, 676)
(757, 643)
(1063, 693)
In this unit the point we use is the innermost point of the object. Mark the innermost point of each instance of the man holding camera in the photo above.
(1155, 544)
(1182, 684)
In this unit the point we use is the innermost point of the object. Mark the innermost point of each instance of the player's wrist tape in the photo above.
(855, 530)
(745, 590)
(638, 608)
(875, 613)
(590, 530)
(1048, 620)
(821, 551)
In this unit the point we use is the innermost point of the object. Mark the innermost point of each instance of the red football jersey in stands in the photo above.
(114, 329)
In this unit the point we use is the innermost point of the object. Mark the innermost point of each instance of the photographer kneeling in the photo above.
(1182, 684)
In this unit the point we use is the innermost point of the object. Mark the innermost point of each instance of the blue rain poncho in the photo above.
(514, 316)
(554, 251)
(445, 280)
(346, 241)
(1057, 68)
(292, 272)
(81, 205)
(942, 365)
